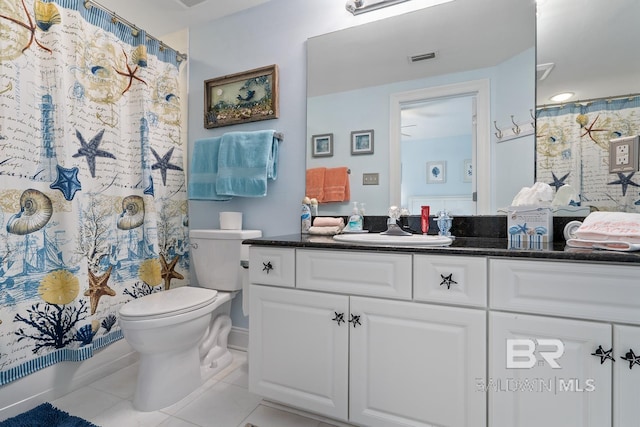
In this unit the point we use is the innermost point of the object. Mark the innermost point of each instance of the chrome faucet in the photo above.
(393, 229)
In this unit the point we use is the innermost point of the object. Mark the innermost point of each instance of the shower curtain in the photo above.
(92, 187)
(572, 147)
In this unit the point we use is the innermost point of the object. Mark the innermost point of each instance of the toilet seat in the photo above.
(168, 303)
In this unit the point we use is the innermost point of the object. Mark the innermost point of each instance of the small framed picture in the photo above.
(322, 145)
(362, 142)
(437, 172)
(467, 171)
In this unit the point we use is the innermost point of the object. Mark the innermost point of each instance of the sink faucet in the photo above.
(393, 229)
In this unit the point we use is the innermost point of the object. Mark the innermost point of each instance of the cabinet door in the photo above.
(297, 354)
(526, 389)
(414, 364)
(626, 376)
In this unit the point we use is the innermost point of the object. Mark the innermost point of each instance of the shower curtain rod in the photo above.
(92, 3)
(581, 101)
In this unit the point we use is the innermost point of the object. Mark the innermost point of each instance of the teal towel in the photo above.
(203, 172)
(246, 160)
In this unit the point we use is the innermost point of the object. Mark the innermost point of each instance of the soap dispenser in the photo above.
(355, 220)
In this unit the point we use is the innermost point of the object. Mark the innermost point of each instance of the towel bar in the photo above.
(279, 136)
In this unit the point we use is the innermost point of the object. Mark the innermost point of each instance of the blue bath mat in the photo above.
(45, 415)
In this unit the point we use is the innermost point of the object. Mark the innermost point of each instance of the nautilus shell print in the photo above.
(132, 215)
(35, 212)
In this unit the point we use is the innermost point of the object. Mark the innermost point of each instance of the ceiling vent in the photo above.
(422, 57)
(190, 3)
(543, 70)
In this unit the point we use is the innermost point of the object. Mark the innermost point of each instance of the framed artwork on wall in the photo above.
(437, 172)
(467, 171)
(322, 145)
(362, 142)
(243, 97)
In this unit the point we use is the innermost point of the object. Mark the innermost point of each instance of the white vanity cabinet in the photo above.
(297, 353)
(582, 306)
(368, 355)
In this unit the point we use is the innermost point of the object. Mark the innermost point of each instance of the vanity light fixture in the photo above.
(562, 96)
(357, 7)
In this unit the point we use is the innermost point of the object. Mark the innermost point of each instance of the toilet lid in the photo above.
(171, 302)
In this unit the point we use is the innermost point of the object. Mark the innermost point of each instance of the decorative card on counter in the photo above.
(529, 227)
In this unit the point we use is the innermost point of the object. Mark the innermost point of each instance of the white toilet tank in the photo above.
(216, 256)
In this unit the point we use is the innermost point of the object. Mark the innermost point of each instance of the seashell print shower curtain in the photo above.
(92, 187)
(572, 147)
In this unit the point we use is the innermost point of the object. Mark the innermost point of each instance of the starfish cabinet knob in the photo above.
(266, 266)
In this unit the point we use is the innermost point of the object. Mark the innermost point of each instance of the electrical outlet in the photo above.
(370, 179)
(623, 154)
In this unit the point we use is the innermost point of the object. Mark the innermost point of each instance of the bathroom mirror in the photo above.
(588, 47)
(352, 74)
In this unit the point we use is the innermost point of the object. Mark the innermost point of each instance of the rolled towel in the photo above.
(325, 231)
(325, 221)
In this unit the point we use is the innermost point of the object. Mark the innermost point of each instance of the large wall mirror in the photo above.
(441, 155)
(590, 44)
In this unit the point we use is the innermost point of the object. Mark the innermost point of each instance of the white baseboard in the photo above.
(238, 339)
(57, 380)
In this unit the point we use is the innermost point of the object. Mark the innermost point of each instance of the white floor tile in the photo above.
(176, 422)
(125, 415)
(222, 401)
(86, 402)
(121, 383)
(264, 416)
(223, 405)
(239, 377)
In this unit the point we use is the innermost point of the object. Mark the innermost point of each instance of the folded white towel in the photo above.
(611, 245)
(325, 231)
(323, 221)
(610, 226)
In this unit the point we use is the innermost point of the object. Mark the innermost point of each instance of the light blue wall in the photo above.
(272, 33)
(415, 155)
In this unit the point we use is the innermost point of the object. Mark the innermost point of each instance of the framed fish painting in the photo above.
(243, 97)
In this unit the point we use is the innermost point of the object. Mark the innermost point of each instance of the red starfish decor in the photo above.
(589, 129)
(131, 74)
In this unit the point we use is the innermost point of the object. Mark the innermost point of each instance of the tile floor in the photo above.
(222, 401)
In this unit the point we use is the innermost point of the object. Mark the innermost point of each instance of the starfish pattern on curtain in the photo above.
(84, 106)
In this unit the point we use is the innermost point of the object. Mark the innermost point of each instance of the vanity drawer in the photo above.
(356, 273)
(272, 266)
(450, 279)
(601, 292)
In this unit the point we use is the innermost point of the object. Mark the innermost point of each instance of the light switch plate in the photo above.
(623, 154)
(370, 178)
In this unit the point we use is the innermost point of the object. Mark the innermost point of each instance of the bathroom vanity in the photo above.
(424, 336)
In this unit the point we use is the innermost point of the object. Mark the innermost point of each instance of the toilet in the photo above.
(181, 334)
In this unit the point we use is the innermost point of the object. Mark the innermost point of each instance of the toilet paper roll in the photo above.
(570, 229)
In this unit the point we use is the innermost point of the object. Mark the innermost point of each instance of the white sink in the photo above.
(382, 239)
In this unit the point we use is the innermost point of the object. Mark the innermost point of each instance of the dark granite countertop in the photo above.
(491, 242)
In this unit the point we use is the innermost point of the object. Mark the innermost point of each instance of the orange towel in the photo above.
(315, 183)
(336, 185)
